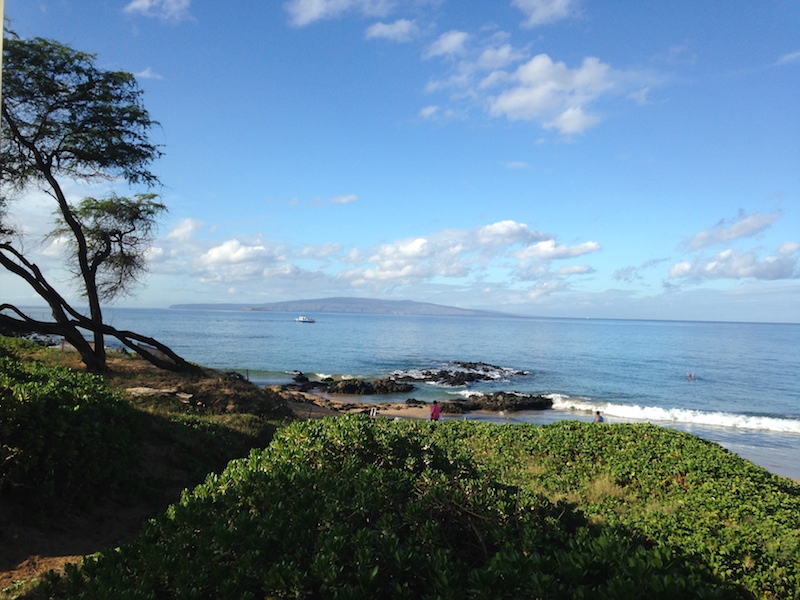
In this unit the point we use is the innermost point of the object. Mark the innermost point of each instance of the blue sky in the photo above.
(556, 158)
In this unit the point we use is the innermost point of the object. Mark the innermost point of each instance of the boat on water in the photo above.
(304, 319)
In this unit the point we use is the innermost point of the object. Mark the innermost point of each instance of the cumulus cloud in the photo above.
(553, 93)
(184, 230)
(231, 252)
(166, 10)
(549, 250)
(233, 261)
(305, 12)
(725, 231)
(450, 253)
(495, 254)
(485, 71)
(401, 30)
(547, 288)
(498, 57)
(733, 264)
(506, 82)
(507, 250)
(541, 12)
(448, 44)
(508, 233)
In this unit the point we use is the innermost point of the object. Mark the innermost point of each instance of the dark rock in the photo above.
(365, 388)
(415, 402)
(460, 373)
(508, 401)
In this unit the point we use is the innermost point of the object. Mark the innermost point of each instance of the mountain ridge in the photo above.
(347, 305)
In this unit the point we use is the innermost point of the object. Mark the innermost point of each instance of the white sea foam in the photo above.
(466, 393)
(678, 415)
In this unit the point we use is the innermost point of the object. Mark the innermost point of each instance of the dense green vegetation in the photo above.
(65, 438)
(69, 440)
(358, 508)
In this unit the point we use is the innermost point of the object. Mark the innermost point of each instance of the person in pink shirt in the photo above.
(435, 411)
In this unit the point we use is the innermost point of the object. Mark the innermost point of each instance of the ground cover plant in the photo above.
(65, 437)
(68, 438)
(353, 508)
(84, 463)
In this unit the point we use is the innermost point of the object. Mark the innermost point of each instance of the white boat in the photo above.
(304, 319)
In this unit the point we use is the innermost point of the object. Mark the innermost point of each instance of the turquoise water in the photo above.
(745, 393)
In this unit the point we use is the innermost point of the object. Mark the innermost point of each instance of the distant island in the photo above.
(366, 306)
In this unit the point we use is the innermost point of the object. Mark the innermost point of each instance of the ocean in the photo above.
(737, 384)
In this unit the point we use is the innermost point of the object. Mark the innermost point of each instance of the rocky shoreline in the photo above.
(337, 395)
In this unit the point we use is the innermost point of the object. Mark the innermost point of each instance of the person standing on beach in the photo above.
(435, 411)
(598, 418)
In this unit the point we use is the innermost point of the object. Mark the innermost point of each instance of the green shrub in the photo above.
(356, 508)
(65, 439)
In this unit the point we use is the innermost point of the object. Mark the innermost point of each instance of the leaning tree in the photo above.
(64, 119)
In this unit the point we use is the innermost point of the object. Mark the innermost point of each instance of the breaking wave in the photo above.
(681, 416)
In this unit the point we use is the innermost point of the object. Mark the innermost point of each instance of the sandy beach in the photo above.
(313, 406)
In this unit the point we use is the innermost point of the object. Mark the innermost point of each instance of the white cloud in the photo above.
(499, 57)
(789, 59)
(166, 10)
(231, 252)
(551, 92)
(429, 112)
(548, 250)
(184, 230)
(575, 270)
(681, 269)
(148, 73)
(541, 12)
(448, 44)
(789, 248)
(546, 288)
(401, 30)
(57, 247)
(321, 251)
(732, 264)
(508, 233)
(234, 261)
(726, 231)
(344, 199)
(305, 12)
(469, 256)
(572, 120)
(495, 253)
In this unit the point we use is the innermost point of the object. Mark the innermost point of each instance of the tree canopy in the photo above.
(64, 119)
(68, 118)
